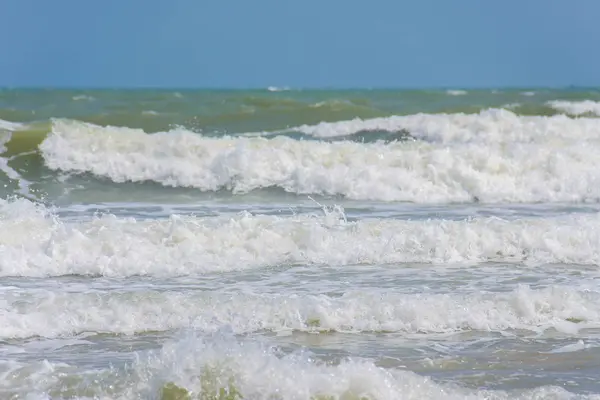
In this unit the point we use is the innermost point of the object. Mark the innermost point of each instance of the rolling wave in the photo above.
(34, 242)
(583, 107)
(488, 126)
(50, 313)
(493, 156)
(222, 367)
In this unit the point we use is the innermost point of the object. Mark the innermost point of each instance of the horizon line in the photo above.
(284, 88)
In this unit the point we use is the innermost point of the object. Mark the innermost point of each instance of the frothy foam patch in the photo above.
(576, 107)
(10, 172)
(278, 88)
(494, 126)
(456, 92)
(542, 161)
(4, 139)
(580, 345)
(207, 367)
(83, 97)
(31, 381)
(11, 126)
(221, 367)
(50, 313)
(34, 242)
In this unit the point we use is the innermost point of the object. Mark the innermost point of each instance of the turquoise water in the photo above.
(297, 244)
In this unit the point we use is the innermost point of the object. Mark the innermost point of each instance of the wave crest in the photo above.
(532, 160)
(33, 242)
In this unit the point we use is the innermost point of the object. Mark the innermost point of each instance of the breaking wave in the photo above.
(34, 242)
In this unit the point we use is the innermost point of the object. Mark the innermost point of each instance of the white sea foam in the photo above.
(11, 126)
(4, 139)
(492, 126)
(50, 313)
(83, 97)
(30, 381)
(34, 242)
(580, 345)
(258, 372)
(10, 172)
(576, 107)
(489, 157)
(278, 88)
(223, 367)
(456, 92)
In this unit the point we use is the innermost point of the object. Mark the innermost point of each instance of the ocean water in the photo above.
(297, 244)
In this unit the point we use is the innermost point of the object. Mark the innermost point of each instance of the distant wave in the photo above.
(83, 97)
(278, 112)
(490, 126)
(456, 92)
(584, 107)
(278, 89)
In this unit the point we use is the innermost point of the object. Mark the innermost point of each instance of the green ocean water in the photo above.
(235, 111)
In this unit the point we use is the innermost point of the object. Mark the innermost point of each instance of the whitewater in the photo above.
(296, 244)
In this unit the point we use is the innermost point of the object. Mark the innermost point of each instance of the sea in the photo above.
(283, 243)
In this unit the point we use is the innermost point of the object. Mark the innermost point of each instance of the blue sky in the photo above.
(308, 43)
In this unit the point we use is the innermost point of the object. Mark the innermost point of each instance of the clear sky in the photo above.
(301, 43)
